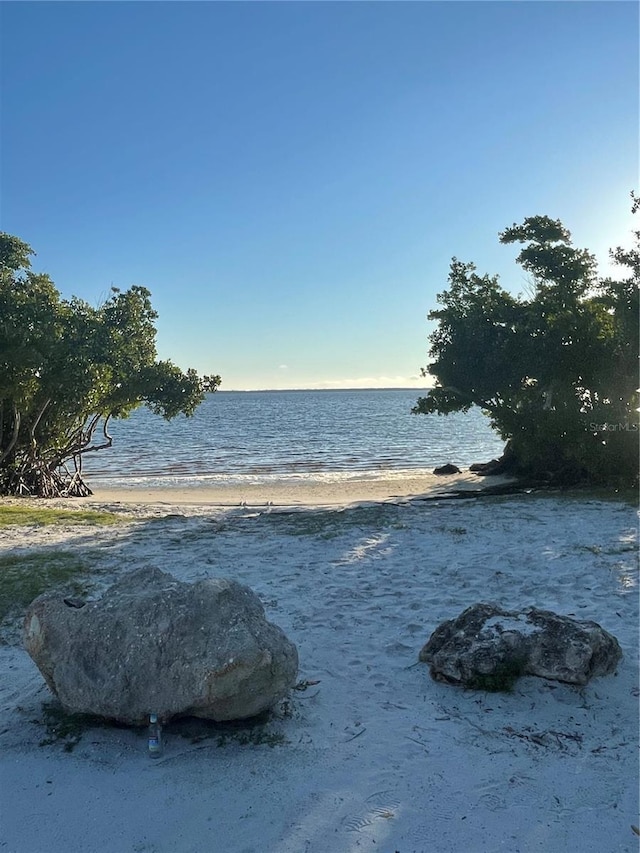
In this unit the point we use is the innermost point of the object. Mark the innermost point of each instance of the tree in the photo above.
(557, 371)
(67, 368)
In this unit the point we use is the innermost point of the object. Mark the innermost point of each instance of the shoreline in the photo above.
(306, 493)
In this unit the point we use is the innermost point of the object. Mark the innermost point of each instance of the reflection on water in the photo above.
(256, 437)
(627, 580)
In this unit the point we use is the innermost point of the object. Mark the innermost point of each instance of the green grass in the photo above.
(67, 729)
(24, 515)
(25, 576)
(64, 728)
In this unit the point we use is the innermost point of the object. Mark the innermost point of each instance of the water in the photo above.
(238, 438)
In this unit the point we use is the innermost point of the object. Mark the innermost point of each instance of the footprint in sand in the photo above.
(492, 797)
(442, 810)
(493, 802)
(379, 806)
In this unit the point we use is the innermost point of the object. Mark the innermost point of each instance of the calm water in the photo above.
(241, 437)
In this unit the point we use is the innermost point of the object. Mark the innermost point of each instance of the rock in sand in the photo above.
(449, 468)
(154, 644)
(488, 648)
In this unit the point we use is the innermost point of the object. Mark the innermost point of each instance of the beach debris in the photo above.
(545, 738)
(154, 737)
(304, 685)
(488, 648)
(202, 649)
(446, 469)
(354, 731)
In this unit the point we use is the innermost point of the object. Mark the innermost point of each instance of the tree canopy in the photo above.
(67, 368)
(556, 370)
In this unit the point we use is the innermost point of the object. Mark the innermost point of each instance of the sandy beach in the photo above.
(369, 753)
(303, 491)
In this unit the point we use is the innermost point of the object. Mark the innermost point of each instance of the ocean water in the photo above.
(244, 437)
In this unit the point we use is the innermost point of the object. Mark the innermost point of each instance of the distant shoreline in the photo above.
(321, 390)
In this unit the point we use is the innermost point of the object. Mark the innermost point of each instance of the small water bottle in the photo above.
(155, 737)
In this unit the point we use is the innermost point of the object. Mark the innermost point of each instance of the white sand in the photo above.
(304, 491)
(376, 756)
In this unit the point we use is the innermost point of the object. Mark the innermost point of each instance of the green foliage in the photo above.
(67, 368)
(557, 370)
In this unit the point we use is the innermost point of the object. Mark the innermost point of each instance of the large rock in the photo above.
(153, 644)
(488, 648)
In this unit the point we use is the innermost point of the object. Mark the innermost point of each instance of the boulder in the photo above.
(489, 648)
(446, 469)
(154, 644)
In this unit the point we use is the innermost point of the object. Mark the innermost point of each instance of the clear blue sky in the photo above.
(290, 180)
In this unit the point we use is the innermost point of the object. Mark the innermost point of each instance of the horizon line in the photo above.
(340, 388)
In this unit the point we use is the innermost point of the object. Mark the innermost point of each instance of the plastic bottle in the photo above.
(155, 737)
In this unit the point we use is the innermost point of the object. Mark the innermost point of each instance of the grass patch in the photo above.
(25, 576)
(25, 515)
(65, 728)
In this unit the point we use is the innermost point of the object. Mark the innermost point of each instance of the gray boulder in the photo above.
(449, 468)
(153, 644)
(489, 648)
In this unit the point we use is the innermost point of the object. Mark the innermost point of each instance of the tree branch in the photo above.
(34, 426)
(477, 401)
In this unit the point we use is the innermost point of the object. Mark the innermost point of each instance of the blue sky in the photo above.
(291, 180)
